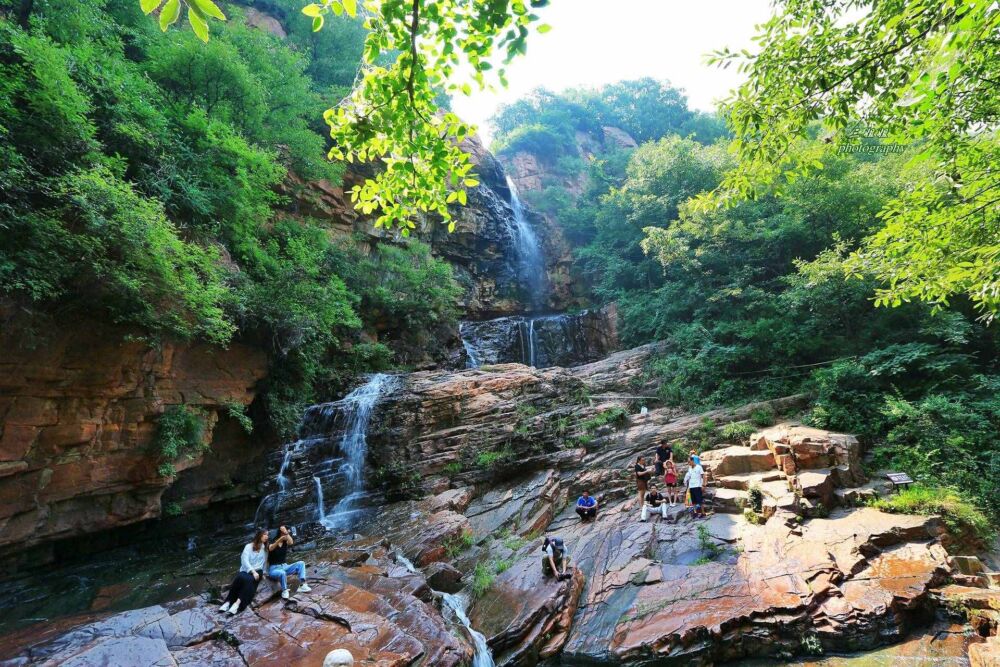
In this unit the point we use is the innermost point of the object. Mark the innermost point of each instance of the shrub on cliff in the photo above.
(180, 431)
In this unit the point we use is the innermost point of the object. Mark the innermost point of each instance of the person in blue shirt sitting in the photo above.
(586, 506)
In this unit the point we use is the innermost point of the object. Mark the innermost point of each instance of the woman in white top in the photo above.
(252, 566)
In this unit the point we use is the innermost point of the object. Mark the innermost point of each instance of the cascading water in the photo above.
(529, 252)
(357, 408)
(327, 459)
(472, 357)
(483, 657)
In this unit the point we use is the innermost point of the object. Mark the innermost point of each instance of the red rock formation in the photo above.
(383, 619)
(78, 412)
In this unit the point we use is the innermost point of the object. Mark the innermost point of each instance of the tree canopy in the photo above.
(917, 73)
(392, 115)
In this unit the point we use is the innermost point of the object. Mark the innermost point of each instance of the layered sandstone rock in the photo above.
(77, 415)
(389, 621)
(853, 581)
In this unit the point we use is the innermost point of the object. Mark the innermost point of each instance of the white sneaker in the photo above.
(224, 607)
(285, 594)
(304, 588)
(235, 608)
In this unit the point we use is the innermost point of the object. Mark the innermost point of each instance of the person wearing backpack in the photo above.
(556, 558)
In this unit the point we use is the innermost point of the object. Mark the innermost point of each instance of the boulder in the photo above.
(797, 447)
(737, 460)
(443, 577)
(816, 485)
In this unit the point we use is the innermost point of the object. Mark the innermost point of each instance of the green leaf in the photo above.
(351, 7)
(209, 8)
(148, 6)
(312, 10)
(169, 15)
(198, 23)
(317, 23)
(544, 28)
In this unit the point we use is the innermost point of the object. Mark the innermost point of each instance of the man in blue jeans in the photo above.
(279, 569)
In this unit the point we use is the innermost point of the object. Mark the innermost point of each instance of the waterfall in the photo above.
(529, 251)
(356, 408)
(483, 657)
(470, 349)
(319, 499)
(405, 562)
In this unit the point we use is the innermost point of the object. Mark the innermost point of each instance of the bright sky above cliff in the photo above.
(593, 42)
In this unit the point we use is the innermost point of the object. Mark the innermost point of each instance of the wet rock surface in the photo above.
(383, 620)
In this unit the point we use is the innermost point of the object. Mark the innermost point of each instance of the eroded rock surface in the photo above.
(383, 620)
(855, 580)
(77, 416)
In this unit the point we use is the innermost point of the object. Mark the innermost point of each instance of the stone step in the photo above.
(729, 501)
(737, 460)
(744, 481)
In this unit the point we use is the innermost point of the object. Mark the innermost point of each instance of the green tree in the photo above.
(392, 117)
(916, 72)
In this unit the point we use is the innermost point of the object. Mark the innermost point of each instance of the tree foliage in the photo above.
(919, 73)
(393, 116)
(140, 174)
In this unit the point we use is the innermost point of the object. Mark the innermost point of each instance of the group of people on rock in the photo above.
(259, 558)
(688, 490)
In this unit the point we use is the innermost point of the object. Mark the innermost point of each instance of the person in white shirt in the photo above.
(693, 480)
(244, 586)
(555, 558)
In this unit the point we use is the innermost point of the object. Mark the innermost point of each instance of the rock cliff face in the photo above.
(543, 340)
(78, 412)
(481, 250)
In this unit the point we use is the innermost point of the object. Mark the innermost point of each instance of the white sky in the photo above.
(590, 45)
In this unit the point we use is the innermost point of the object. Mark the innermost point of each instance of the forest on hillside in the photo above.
(142, 174)
(752, 300)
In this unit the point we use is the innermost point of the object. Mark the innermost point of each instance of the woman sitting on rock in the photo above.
(244, 586)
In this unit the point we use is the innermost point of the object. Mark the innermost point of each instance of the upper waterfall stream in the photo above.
(529, 252)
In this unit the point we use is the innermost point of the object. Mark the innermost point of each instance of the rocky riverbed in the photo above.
(806, 571)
